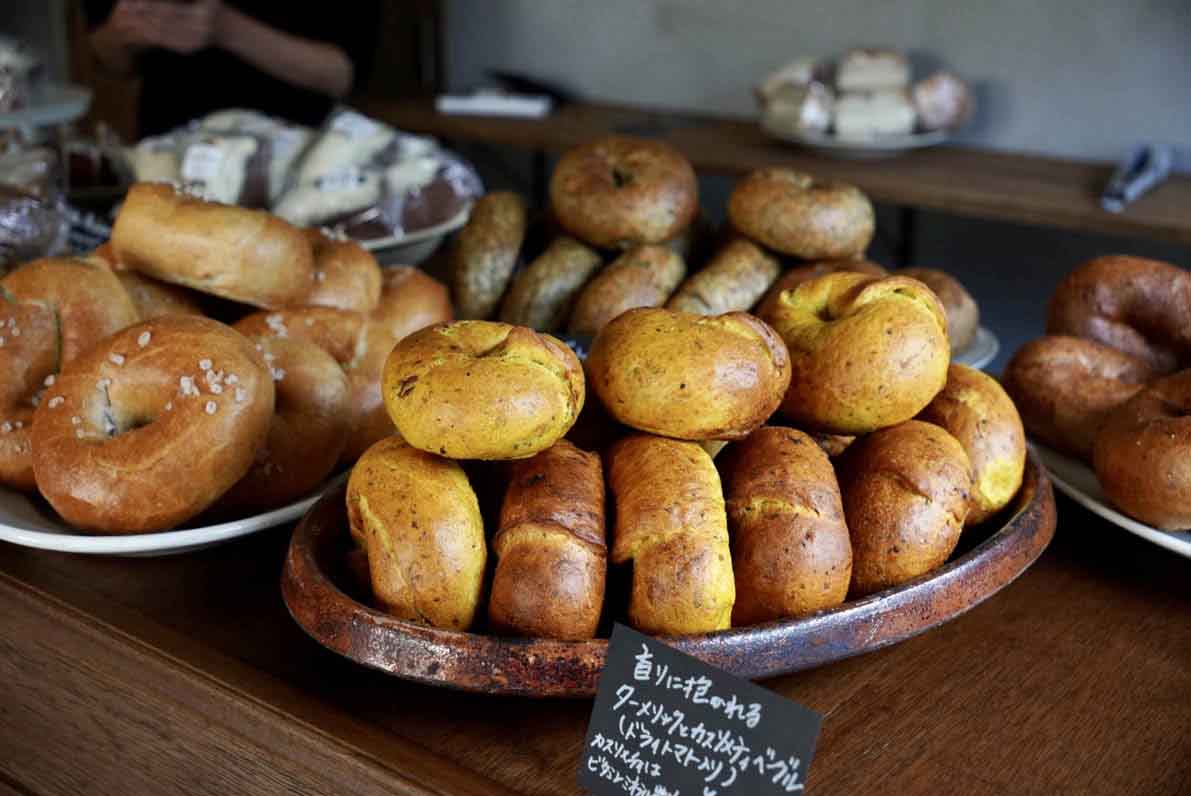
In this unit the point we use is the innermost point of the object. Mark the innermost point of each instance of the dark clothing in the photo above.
(176, 88)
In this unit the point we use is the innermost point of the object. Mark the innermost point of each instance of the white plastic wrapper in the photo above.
(33, 221)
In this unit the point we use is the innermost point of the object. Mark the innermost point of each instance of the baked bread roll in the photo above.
(791, 554)
(641, 277)
(619, 191)
(805, 273)
(51, 311)
(1065, 388)
(975, 409)
(542, 293)
(485, 252)
(244, 255)
(154, 299)
(549, 580)
(1142, 455)
(963, 315)
(737, 276)
(810, 106)
(1135, 305)
(417, 517)
(865, 352)
(864, 115)
(482, 390)
(135, 437)
(410, 300)
(687, 376)
(906, 492)
(670, 523)
(346, 275)
(311, 418)
(942, 100)
(872, 69)
(791, 212)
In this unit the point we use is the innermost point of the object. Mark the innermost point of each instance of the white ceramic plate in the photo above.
(56, 104)
(983, 349)
(31, 523)
(854, 148)
(421, 236)
(1078, 481)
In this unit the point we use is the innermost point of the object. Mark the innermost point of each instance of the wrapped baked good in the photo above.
(227, 168)
(20, 69)
(873, 69)
(860, 115)
(806, 107)
(942, 100)
(32, 218)
(782, 83)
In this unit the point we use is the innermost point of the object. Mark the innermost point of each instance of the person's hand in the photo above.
(181, 27)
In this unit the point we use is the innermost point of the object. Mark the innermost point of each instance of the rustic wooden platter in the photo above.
(318, 590)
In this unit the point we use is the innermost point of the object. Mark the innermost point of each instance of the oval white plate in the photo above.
(854, 148)
(981, 351)
(31, 523)
(1078, 481)
(437, 231)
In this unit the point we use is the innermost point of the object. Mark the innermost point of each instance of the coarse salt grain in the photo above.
(57, 401)
(320, 276)
(204, 364)
(278, 373)
(232, 378)
(241, 395)
(143, 339)
(210, 407)
(50, 379)
(35, 400)
(269, 357)
(16, 332)
(5, 427)
(310, 321)
(74, 421)
(116, 359)
(169, 406)
(18, 424)
(216, 389)
(1, 342)
(79, 433)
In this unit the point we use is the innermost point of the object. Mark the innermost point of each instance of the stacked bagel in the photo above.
(624, 231)
(132, 411)
(680, 476)
(1109, 383)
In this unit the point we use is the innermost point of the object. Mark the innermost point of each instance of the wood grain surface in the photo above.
(185, 675)
(1028, 189)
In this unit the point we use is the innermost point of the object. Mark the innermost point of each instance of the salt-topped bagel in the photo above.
(151, 426)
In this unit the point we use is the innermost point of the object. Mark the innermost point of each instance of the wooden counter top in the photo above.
(1028, 189)
(184, 674)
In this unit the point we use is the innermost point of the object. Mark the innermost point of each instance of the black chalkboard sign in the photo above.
(666, 724)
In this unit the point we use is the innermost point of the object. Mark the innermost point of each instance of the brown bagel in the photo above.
(906, 495)
(688, 376)
(241, 254)
(51, 311)
(641, 277)
(805, 273)
(737, 276)
(963, 315)
(543, 291)
(1143, 454)
(619, 191)
(1065, 387)
(346, 275)
(975, 409)
(791, 212)
(154, 298)
(134, 436)
(485, 252)
(307, 432)
(791, 554)
(1135, 305)
(865, 352)
(482, 390)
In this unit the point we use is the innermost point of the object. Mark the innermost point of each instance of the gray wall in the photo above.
(1073, 77)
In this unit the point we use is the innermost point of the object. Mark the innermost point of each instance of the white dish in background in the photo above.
(1078, 481)
(981, 351)
(30, 522)
(854, 148)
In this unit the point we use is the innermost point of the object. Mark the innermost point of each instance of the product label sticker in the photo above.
(354, 125)
(201, 163)
(667, 724)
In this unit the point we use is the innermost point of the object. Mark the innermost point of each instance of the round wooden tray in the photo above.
(316, 567)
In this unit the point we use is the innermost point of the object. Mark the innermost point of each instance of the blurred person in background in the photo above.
(292, 60)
